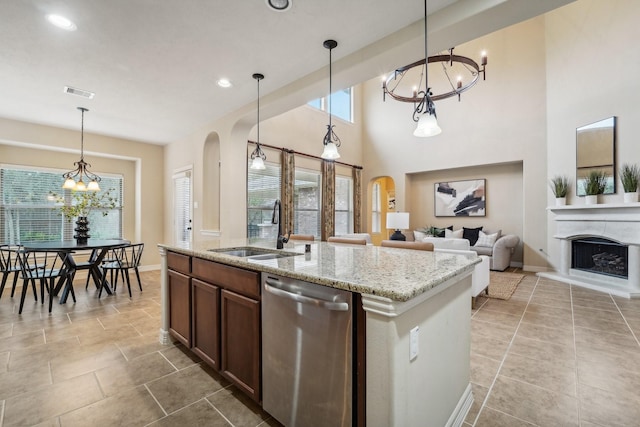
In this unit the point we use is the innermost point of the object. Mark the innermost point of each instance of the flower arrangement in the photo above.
(560, 186)
(83, 202)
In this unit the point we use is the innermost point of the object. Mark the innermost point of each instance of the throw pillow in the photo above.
(453, 234)
(486, 240)
(471, 234)
(418, 235)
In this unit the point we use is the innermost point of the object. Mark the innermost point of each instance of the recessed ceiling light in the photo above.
(279, 5)
(224, 83)
(62, 22)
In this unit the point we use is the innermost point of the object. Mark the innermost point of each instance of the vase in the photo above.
(591, 199)
(631, 197)
(82, 230)
(561, 201)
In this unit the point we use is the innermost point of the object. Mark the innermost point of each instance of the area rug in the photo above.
(503, 285)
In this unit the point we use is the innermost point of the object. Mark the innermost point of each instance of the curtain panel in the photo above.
(288, 176)
(356, 173)
(328, 199)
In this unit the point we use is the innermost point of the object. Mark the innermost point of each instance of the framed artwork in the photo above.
(460, 198)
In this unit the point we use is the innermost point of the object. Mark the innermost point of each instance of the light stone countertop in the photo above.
(397, 274)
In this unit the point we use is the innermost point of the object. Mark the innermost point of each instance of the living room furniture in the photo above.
(421, 246)
(346, 240)
(499, 253)
(480, 278)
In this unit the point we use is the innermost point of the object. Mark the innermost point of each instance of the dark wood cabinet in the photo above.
(205, 325)
(180, 307)
(215, 311)
(240, 333)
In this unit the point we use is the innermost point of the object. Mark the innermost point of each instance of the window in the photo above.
(182, 208)
(29, 212)
(344, 205)
(263, 188)
(376, 209)
(341, 104)
(307, 198)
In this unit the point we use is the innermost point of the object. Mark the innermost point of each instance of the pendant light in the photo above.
(426, 110)
(331, 141)
(82, 169)
(258, 157)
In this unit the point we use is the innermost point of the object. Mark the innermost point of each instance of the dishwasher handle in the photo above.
(272, 287)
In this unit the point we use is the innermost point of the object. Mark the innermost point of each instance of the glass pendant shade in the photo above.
(427, 126)
(257, 163)
(93, 186)
(69, 184)
(330, 152)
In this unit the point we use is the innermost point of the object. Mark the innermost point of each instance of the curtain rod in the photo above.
(302, 154)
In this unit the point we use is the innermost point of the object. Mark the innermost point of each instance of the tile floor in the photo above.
(552, 355)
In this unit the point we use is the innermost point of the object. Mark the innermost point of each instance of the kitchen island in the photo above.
(416, 308)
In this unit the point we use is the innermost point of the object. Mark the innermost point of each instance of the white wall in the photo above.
(592, 74)
(499, 121)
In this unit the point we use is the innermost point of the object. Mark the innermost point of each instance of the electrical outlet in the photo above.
(414, 343)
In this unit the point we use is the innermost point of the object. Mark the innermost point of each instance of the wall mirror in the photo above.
(595, 151)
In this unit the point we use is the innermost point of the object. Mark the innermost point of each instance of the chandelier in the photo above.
(82, 169)
(331, 141)
(257, 156)
(424, 112)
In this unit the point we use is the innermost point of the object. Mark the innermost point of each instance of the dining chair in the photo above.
(347, 240)
(10, 264)
(126, 258)
(44, 267)
(421, 246)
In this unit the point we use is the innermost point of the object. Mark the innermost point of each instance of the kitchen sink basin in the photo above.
(254, 253)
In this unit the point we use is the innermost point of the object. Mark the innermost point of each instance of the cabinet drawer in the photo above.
(179, 262)
(236, 279)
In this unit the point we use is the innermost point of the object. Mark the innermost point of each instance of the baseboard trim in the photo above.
(535, 268)
(462, 409)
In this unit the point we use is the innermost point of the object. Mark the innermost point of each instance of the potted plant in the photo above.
(594, 184)
(629, 176)
(560, 187)
(82, 203)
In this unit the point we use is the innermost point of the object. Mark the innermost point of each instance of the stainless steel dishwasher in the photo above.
(306, 353)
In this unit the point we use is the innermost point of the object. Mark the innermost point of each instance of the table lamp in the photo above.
(398, 221)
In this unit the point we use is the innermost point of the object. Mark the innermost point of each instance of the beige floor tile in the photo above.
(558, 376)
(543, 407)
(6, 329)
(543, 350)
(604, 315)
(26, 339)
(547, 310)
(41, 354)
(50, 401)
(585, 293)
(492, 418)
(479, 394)
(514, 308)
(606, 408)
(86, 326)
(84, 360)
(233, 404)
(488, 347)
(122, 375)
(18, 381)
(131, 407)
(179, 356)
(497, 317)
(585, 321)
(610, 377)
(545, 320)
(543, 333)
(551, 302)
(201, 413)
(4, 361)
(483, 370)
(136, 346)
(185, 387)
(600, 304)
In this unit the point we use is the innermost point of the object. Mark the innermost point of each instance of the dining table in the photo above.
(67, 248)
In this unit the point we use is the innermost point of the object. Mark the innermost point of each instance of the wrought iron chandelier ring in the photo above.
(457, 89)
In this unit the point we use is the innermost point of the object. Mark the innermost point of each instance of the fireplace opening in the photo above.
(601, 256)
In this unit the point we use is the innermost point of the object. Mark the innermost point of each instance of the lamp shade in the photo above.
(427, 126)
(330, 152)
(398, 220)
(258, 163)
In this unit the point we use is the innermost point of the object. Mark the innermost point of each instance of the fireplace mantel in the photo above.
(618, 222)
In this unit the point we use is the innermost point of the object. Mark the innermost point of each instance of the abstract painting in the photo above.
(460, 198)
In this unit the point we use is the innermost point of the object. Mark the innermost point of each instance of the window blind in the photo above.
(263, 188)
(182, 208)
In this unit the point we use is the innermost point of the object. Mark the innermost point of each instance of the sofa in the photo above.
(480, 277)
(499, 248)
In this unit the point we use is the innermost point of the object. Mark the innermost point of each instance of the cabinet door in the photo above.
(205, 315)
(180, 307)
(240, 324)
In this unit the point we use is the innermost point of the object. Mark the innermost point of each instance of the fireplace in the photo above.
(601, 256)
(599, 247)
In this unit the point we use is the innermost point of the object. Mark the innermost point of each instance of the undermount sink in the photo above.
(254, 253)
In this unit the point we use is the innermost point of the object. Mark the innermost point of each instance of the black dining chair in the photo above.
(10, 264)
(45, 267)
(126, 258)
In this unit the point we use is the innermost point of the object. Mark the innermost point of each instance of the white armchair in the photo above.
(480, 276)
